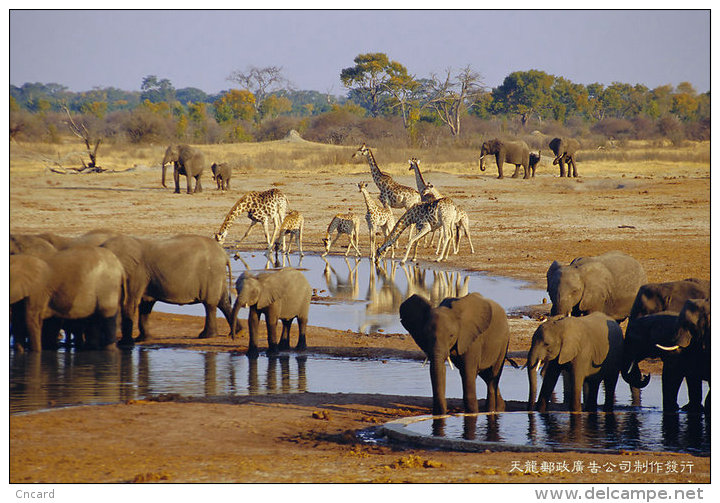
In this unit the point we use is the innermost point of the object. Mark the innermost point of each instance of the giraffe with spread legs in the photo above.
(292, 227)
(261, 207)
(392, 193)
(343, 223)
(438, 214)
(378, 218)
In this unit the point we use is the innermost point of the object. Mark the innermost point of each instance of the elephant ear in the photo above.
(473, 314)
(570, 344)
(270, 289)
(550, 275)
(596, 289)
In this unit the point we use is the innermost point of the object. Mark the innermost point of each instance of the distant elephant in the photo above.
(221, 173)
(589, 348)
(534, 161)
(670, 296)
(285, 295)
(564, 150)
(643, 335)
(184, 269)
(83, 283)
(512, 152)
(472, 332)
(94, 237)
(691, 344)
(186, 161)
(607, 283)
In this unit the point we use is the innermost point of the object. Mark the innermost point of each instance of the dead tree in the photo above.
(81, 131)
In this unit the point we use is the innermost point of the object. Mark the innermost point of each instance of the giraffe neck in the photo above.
(368, 200)
(400, 226)
(374, 169)
(419, 180)
(240, 206)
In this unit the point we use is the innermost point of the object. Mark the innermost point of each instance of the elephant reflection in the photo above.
(271, 376)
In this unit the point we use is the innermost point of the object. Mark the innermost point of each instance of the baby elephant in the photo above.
(284, 295)
(221, 173)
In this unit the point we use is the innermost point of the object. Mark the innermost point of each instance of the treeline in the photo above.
(383, 103)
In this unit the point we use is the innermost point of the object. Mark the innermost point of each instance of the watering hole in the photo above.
(357, 295)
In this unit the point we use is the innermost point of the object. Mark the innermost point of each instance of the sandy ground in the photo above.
(658, 213)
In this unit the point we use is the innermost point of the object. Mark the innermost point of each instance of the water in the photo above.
(631, 430)
(357, 295)
(56, 379)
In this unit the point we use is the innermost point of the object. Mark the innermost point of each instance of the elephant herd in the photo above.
(518, 153)
(582, 339)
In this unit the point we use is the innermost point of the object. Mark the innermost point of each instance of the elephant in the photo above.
(84, 284)
(643, 335)
(564, 150)
(670, 296)
(589, 348)
(30, 244)
(187, 161)
(221, 173)
(512, 152)
(183, 269)
(607, 283)
(94, 237)
(691, 344)
(534, 161)
(283, 294)
(472, 332)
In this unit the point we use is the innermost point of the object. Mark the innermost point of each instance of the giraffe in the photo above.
(292, 226)
(392, 193)
(261, 207)
(343, 223)
(462, 225)
(427, 216)
(377, 218)
(425, 189)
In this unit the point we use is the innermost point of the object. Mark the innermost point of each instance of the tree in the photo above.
(377, 83)
(260, 82)
(450, 97)
(526, 93)
(155, 90)
(274, 105)
(92, 141)
(235, 105)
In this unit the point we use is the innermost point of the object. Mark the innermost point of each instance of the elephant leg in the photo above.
(271, 320)
(188, 179)
(694, 387)
(176, 178)
(527, 172)
(609, 384)
(144, 310)
(49, 333)
(253, 325)
(302, 326)
(198, 184)
(102, 332)
(561, 163)
(517, 171)
(591, 387)
(284, 344)
(468, 374)
(499, 165)
(225, 306)
(672, 377)
(210, 328)
(552, 372)
(571, 162)
(127, 320)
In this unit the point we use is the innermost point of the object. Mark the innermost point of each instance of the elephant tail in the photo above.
(230, 281)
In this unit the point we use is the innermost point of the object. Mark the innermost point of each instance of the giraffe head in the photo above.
(363, 150)
(220, 236)
(361, 186)
(414, 163)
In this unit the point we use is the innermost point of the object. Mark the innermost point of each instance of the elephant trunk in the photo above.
(163, 172)
(437, 378)
(533, 363)
(482, 163)
(633, 376)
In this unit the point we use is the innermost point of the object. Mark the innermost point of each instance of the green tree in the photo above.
(273, 105)
(235, 105)
(525, 94)
(155, 90)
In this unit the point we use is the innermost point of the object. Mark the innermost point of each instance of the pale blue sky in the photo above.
(85, 49)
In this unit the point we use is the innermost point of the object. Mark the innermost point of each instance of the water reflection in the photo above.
(629, 430)
(361, 295)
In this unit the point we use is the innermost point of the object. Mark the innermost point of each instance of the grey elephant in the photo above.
(472, 332)
(221, 173)
(512, 152)
(565, 150)
(669, 296)
(183, 269)
(279, 295)
(30, 244)
(84, 284)
(186, 161)
(588, 348)
(691, 345)
(643, 337)
(606, 283)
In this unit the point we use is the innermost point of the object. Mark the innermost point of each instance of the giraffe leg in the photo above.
(252, 224)
(414, 240)
(356, 242)
(299, 240)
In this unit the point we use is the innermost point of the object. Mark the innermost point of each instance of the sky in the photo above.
(84, 49)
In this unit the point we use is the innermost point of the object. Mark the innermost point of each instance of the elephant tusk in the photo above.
(667, 348)
(424, 362)
(450, 363)
(537, 366)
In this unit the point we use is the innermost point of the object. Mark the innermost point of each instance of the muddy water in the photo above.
(360, 296)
